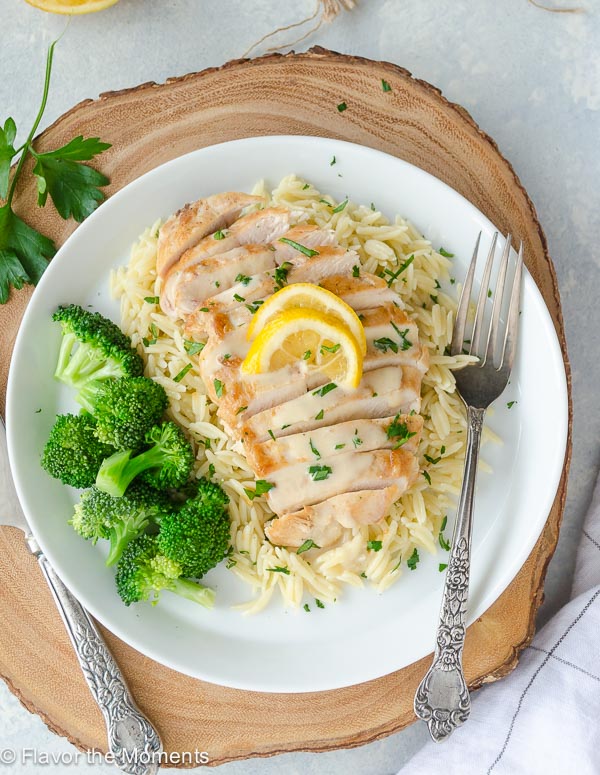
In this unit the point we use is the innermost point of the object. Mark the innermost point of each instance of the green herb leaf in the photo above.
(374, 546)
(151, 299)
(281, 274)
(363, 575)
(7, 152)
(23, 253)
(237, 297)
(320, 415)
(305, 186)
(427, 477)
(314, 450)
(325, 389)
(253, 306)
(399, 432)
(340, 207)
(443, 541)
(219, 235)
(306, 355)
(355, 271)
(339, 446)
(445, 253)
(218, 387)
(241, 409)
(489, 293)
(260, 488)
(332, 162)
(356, 441)
(243, 278)
(308, 544)
(510, 404)
(433, 460)
(319, 603)
(442, 566)
(385, 85)
(306, 608)
(327, 349)
(444, 523)
(385, 343)
(203, 309)
(211, 469)
(404, 343)
(279, 569)
(318, 473)
(433, 298)
(271, 434)
(402, 268)
(182, 373)
(193, 348)
(413, 559)
(297, 246)
(342, 107)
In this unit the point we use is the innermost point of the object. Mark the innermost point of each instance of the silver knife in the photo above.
(133, 742)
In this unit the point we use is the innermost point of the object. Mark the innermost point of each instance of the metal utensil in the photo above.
(132, 740)
(442, 699)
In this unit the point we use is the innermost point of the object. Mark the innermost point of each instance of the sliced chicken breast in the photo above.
(363, 292)
(188, 226)
(324, 522)
(304, 484)
(311, 237)
(333, 440)
(381, 393)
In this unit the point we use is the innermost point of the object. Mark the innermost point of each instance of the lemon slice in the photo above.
(318, 340)
(312, 297)
(72, 6)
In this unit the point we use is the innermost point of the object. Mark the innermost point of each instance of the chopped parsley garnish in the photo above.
(325, 389)
(404, 343)
(182, 373)
(445, 253)
(314, 450)
(306, 355)
(340, 207)
(374, 546)
(281, 274)
(243, 279)
(320, 415)
(37, 411)
(385, 85)
(373, 207)
(399, 432)
(395, 275)
(340, 446)
(306, 608)
(325, 202)
(433, 460)
(193, 348)
(305, 186)
(452, 280)
(218, 387)
(237, 297)
(308, 544)
(510, 404)
(217, 283)
(385, 343)
(442, 566)
(413, 559)
(260, 488)
(297, 246)
(227, 356)
(318, 473)
(206, 443)
(271, 434)
(433, 298)
(427, 477)
(489, 293)
(356, 271)
(151, 299)
(342, 107)
(332, 162)
(219, 234)
(327, 349)
(154, 332)
(443, 450)
(443, 541)
(356, 441)
(319, 603)
(279, 569)
(203, 309)
(437, 284)
(363, 575)
(253, 306)
(211, 469)
(241, 409)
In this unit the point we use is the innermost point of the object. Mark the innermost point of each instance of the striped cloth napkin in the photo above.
(543, 719)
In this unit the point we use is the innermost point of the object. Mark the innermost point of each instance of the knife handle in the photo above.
(133, 742)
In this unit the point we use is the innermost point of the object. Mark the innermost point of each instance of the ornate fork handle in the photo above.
(133, 742)
(442, 699)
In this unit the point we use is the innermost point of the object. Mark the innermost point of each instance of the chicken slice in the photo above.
(307, 235)
(362, 292)
(304, 484)
(332, 440)
(188, 226)
(381, 393)
(324, 522)
(194, 285)
(257, 228)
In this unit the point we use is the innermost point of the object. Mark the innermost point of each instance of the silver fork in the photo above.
(442, 699)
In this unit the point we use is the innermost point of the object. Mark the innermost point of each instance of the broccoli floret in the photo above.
(73, 453)
(198, 535)
(166, 464)
(124, 409)
(92, 348)
(120, 520)
(143, 572)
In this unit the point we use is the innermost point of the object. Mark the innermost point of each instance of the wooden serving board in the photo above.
(148, 125)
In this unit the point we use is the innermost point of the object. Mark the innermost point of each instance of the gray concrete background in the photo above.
(530, 79)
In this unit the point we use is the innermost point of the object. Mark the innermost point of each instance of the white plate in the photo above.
(364, 635)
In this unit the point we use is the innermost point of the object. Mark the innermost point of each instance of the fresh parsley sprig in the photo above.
(73, 187)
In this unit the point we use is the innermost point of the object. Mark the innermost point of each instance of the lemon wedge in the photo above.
(72, 6)
(310, 297)
(318, 340)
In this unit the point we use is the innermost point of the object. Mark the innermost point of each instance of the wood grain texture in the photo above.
(293, 94)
